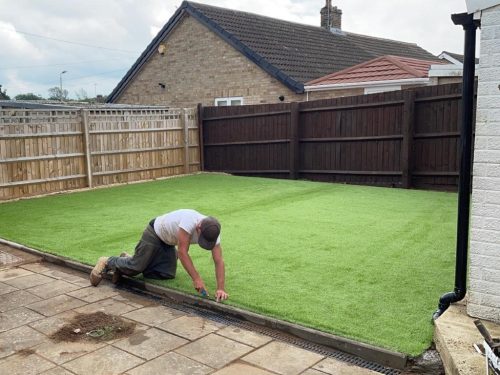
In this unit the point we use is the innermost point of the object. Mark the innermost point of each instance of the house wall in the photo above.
(484, 273)
(327, 94)
(197, 67)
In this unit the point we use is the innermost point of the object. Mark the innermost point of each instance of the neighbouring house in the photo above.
(450, 69)
(385, 73)
(217, 56)
(484, 270)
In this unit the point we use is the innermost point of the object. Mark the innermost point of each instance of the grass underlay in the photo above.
(361, 262)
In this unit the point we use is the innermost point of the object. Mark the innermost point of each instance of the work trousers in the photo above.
(152, 257)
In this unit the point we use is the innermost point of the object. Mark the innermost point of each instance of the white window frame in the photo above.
(228, 100)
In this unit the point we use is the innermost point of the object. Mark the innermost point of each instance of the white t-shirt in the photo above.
(167, 226)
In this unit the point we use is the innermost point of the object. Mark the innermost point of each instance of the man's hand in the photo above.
(221, 295)
(199, 285)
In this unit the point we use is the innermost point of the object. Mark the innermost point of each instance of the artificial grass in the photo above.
(361, 262)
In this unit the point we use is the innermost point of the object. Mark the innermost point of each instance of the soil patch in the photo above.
(96, 327)
(25, 352)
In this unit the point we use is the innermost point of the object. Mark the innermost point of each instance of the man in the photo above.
(155, 255)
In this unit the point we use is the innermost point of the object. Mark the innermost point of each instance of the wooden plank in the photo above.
(86, 147)
(353, 106)
(349, 172)
(200, 136)
(293, 157)
(406, 147)
(39, 181)
(239, 143)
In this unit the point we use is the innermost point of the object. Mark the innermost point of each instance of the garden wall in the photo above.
(406, 138)
(43, 151)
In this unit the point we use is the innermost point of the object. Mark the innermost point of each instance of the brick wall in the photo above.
(197, 67)
(484, 273)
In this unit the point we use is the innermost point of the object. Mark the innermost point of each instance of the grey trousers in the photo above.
(153, 258)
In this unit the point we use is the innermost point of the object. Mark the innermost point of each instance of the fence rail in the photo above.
(44, 151)
(404, 139)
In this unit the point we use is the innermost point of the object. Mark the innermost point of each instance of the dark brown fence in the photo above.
(404, 138)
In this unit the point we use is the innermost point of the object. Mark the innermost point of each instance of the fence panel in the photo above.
(43, 151)
(406, 138)
(40, 152)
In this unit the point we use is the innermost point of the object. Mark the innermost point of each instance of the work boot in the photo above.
(96, 274)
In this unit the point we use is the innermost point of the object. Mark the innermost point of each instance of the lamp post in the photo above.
(60, 83)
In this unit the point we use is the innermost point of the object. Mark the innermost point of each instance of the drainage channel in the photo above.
(274, 333)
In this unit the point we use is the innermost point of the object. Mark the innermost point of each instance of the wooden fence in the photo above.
(404, 138)
(44, 151)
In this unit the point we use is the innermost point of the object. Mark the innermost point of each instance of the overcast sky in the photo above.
(32, 62)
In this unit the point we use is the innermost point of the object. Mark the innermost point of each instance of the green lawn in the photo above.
(361, 262)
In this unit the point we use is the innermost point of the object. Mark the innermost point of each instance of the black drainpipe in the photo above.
(464, 183)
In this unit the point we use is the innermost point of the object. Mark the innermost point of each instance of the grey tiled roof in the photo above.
(291, 52)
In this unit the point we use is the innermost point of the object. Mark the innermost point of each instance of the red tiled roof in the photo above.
(384, 68)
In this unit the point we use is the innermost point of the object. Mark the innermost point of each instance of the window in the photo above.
(220, 102)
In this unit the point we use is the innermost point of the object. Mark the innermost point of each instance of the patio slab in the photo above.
(6, 288)
(108, 360)
(49, 326)
(19, 339)
(190, 327)
(242, 368)
(153, 315)
(244, 336)
(21, 364)
(17, 317)
(333, 367)
(151, 343)
(92, 294)
(12, 273)
(176, 363)
(283, 358)
(214, 351)
(56, 305)
(61, 352)
(53, 289)
(25, 282)
(17, 299)
(109, 306)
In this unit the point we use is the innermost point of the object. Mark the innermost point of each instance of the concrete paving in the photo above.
(37, 298)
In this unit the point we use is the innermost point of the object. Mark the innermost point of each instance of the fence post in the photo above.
(294, 140)
(200, 136)
(407, 129)
(185, 126)
(86, 146)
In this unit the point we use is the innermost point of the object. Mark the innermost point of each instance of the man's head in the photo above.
(209, 232)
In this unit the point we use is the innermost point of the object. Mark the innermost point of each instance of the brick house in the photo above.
(217, 56)
(484, 271)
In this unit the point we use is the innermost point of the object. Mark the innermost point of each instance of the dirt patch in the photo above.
(25, 352)
(96, 327)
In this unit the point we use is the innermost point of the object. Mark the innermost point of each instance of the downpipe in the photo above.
(465, 177)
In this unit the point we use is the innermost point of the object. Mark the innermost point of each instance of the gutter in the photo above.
(339, 86)
(465, 179)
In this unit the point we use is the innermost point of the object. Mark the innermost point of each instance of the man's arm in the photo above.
(220, 294)
(184, 241)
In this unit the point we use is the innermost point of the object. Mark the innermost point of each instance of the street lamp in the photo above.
(60, 83)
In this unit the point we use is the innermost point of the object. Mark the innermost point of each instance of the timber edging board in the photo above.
(368, 352)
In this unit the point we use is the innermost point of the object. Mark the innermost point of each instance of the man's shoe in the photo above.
(124, 254)
(96, 274)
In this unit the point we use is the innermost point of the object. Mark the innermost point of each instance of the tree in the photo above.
(28, 96)
(81, 95)
(3, 94)
(55, 93)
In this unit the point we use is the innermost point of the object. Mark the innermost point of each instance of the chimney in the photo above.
(331, 17)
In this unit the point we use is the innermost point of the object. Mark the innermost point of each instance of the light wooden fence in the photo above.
(43, 151)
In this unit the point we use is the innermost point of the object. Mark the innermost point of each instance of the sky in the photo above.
(96, 41)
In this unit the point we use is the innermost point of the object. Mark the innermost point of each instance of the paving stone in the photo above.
(332, 366)
(92, 294)
(12, 273)
(66, 274)
(153, 315)
(175, 363)
(242, 368)
(17, 299)
(61, 352)
(49, 326)
(133, 299)
(29, 281)
(22, 364)
(5, 288)
(214, 351)
(17, 317)
(56, 305)
(283, 358)
(56, 371)
(37, 267)
(108, 306)
(312, 371)
(18, 339)
(244, 336)
(150, 343)
(190, 327)
(52, 289)
(108, 360)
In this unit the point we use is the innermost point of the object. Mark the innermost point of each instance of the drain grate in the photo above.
(274, 333)
(6, 258)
